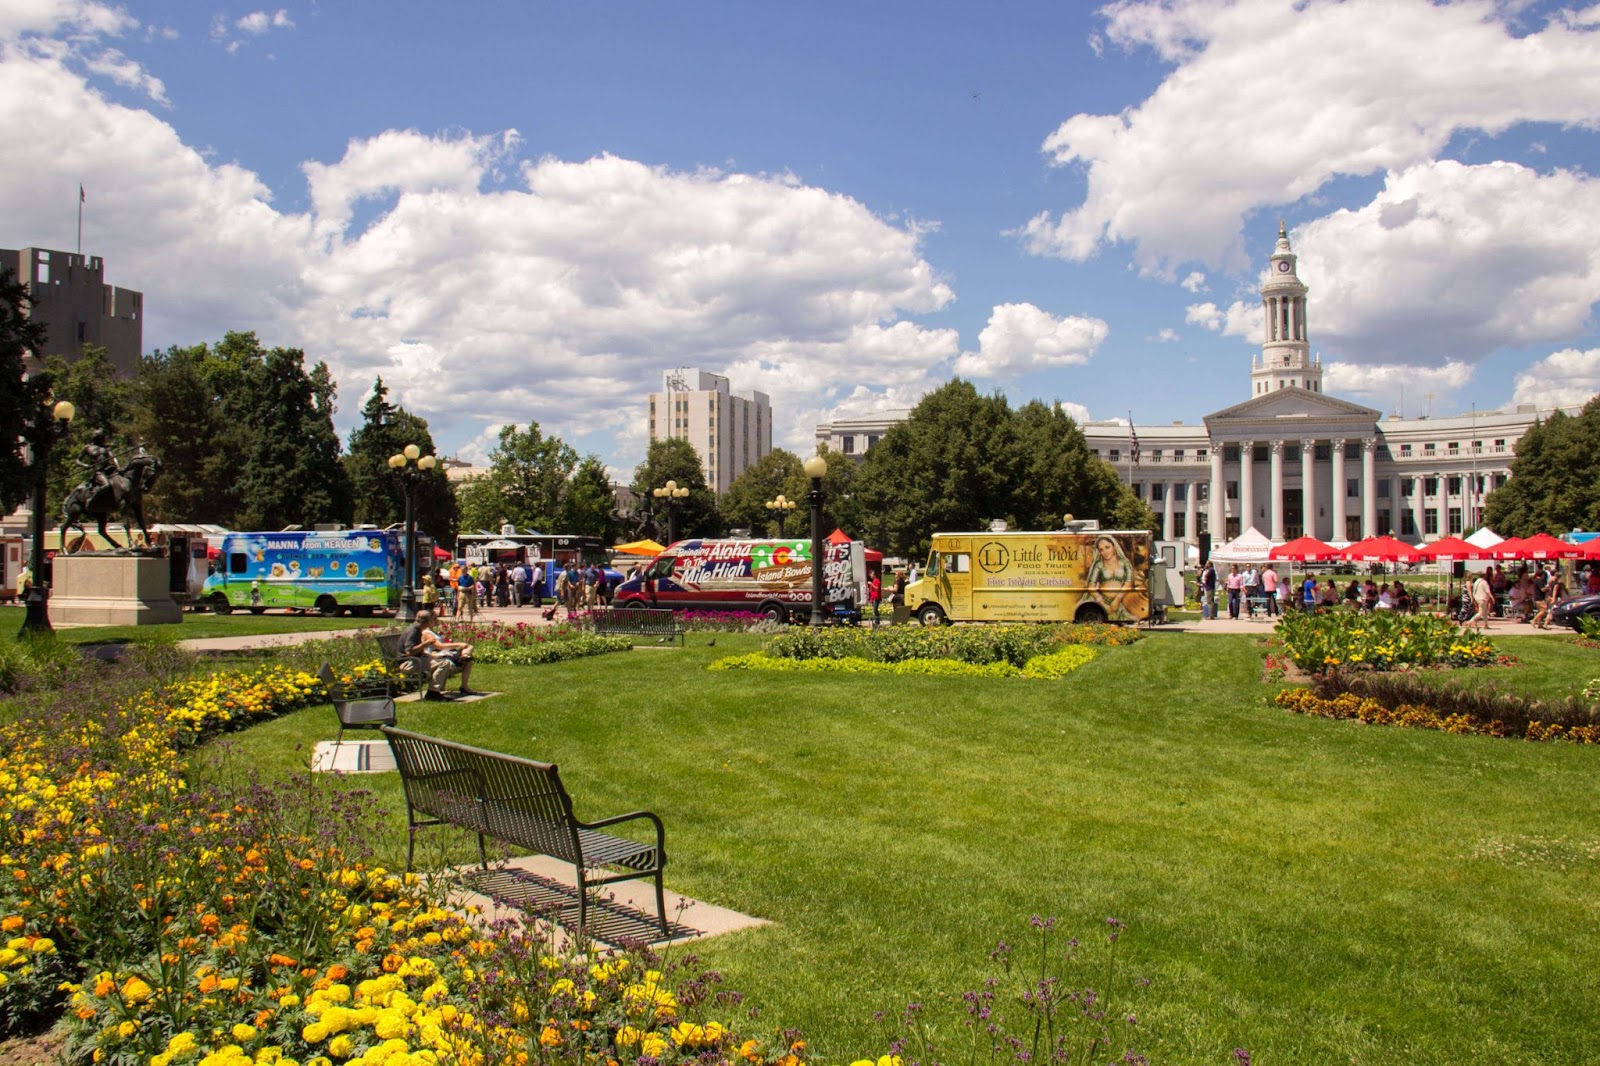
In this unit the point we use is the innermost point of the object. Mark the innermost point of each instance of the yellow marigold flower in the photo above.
(550, 1036)
(181, 1044)
(134, 990)
(654, 1045)
(244, 1033)
(127, 1029)
(889, 1060)
(342, 1046)
(315, 1033)
(628, 1036)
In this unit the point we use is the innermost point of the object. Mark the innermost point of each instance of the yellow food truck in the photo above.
(1071, 575)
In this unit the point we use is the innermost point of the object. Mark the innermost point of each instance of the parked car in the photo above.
(1569, 610)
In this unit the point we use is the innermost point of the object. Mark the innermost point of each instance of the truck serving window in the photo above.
(237, 562)
(957, 562)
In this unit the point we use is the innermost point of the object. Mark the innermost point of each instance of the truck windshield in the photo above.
(933, 564)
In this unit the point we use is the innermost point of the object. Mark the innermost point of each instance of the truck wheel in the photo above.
(931, 614)
(774, 612)
(634, 605)
(220, 605)
(327, 606)
(1093, 614)
(258, 610)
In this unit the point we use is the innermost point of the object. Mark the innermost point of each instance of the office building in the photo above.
(731, 433)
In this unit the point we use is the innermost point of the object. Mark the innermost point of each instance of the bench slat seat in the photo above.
(521, 803)
(636, 622)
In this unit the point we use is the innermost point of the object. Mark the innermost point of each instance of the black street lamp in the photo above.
(411, 476)
(37, 619)
(671, 493)
(816, 468)
(781, 508)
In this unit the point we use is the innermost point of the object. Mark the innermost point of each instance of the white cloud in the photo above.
(1450, 261)
(1021, 338)
(1076, 411)
(1206, 315)
(18, 17)
(259, 22)
(1177, 175)
(1560, 379)
(489, 290)
(1167, 336)
(1422, 389)
(1194, 281)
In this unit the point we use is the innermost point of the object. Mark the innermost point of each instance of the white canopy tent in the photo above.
(1251, 546)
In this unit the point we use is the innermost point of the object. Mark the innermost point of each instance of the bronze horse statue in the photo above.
(123, 495)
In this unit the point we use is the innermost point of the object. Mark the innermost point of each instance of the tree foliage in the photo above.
(23, 397)
(377, 491)
(588, 508)
(675, 459)
(102, 400)
(1555, 478)
(744, 505)
(526, 484)
(962, 460)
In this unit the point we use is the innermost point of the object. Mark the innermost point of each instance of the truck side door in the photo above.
(955, 584)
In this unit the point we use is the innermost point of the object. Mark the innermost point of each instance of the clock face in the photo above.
(1283, 266)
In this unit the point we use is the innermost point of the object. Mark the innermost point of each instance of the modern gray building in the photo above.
(731, 433)
(76, 307)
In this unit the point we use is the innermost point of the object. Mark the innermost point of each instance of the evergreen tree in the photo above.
(23, 397)
(377, 492)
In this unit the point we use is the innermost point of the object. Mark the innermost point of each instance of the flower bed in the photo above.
(1379, 641)
(231, 924)
(1048, 666)
(1013, 644)
(1405, 700)
(528, 645)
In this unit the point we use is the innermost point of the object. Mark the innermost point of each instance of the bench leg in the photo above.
(411, 845)
(661, 904)
(583, 903)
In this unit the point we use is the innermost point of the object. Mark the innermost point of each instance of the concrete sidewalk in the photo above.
(1263, 625)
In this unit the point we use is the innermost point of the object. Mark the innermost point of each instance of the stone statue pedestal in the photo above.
(111, 590)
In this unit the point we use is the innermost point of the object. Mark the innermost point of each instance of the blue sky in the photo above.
(518, 211)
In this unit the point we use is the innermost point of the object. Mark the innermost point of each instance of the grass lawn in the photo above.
(193, 626)
(1314, 891)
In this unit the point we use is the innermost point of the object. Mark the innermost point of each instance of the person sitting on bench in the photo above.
(443, 657)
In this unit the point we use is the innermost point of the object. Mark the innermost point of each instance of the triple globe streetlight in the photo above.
(412, 467)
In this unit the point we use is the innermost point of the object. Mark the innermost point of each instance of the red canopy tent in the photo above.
(1543, 546)
(1380, 550)
(1453, 550)
(1305, 550)
(1508, 548)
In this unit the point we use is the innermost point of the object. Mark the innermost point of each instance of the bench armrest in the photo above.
(661, 832)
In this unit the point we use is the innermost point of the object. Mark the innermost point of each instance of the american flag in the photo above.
(1133, 441)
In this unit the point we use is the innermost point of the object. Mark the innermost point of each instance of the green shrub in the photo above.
(1013, 644)
(1379, 641)
(1047, 667)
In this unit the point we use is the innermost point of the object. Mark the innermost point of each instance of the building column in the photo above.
(1247, 485)
(1369, 487)
(1275, 502)
(1337, 455)
(1166, 509)
(1417, 504)
(1394, 504)
(1308, 486)
(1218, 503)
(1190, 506)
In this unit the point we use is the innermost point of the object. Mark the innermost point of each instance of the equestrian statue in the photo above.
(109, 490)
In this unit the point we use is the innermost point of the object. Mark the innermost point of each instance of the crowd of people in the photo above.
(1525, 596)
(462, 588)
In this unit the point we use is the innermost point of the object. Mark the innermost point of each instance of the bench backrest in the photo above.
(634, 618)
(354, 709)
(389, 644)
(514, 800)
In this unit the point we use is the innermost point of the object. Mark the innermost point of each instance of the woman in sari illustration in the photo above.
(1112, 581)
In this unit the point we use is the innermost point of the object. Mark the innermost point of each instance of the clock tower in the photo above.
(1285, 360)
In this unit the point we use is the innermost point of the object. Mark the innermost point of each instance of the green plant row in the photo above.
(1379, 641)
(576, 646)
(1013, 644)
(1411, 699)
(1047, 667)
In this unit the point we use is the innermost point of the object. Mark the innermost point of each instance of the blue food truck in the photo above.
(348, 571)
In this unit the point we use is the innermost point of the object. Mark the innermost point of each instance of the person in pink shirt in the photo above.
(1269, 588)
(1235, 589)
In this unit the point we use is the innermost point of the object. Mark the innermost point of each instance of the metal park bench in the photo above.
(408, 670)
(521, 803)
(636, 622)
(358, 706)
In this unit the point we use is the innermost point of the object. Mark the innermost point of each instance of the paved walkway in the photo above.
(1498, 627)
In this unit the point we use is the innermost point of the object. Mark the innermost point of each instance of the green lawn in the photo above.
(1314, 891)
(193, 626)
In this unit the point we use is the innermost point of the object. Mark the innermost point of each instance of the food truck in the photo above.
(536, 551)
(771, 577)
(333, 572)
(1070, 575)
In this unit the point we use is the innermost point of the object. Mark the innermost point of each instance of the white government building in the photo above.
(1292, 460)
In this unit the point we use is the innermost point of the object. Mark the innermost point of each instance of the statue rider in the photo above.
(100, 460)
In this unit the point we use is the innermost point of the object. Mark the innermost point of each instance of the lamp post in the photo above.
(672, 492)
(781, 508)
(412, 467)
(37, 619)
(816, 468)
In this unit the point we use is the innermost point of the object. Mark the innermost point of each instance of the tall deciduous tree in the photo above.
(1555, 478)
(587, 509)
(292, 474)
(377, 491)
(675, 459)
(744, 505)
(525, 485)
(22, 396)
(180, 417)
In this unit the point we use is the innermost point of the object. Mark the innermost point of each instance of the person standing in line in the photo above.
(1269, 588)
(1208, 591)
(430, 595)
(519, 583)
(467, 594)
(874, 595)
(1308, 593)
(1250, 582)
(1235, 590)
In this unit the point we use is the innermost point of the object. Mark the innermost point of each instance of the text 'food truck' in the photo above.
(772, 577)
(359, 571)
(1061, 576)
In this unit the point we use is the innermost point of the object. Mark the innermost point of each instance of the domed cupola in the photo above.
(1285, 360)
